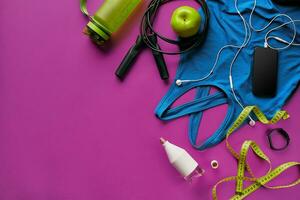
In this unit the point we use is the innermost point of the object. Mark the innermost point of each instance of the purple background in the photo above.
(71, 131)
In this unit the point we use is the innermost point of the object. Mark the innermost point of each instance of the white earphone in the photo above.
(248, 27)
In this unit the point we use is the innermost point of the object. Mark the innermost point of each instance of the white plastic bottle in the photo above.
(182, 161)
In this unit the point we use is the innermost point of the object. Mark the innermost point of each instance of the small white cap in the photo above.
(252, 123)
(266, 45)
(180, 159)
(178, 82)
(214, 164)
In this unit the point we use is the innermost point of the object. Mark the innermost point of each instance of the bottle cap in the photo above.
(97, 32)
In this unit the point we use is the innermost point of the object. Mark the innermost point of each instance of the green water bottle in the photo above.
(108, 19)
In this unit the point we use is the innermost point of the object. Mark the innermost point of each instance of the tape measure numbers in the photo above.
(241, 193)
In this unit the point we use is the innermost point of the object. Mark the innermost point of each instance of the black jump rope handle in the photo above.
(159, 59)
(130, 57)
(134, 51)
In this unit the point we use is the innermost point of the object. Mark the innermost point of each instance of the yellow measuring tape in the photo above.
(241, 192)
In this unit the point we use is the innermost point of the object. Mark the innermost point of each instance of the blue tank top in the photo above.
(226, 27)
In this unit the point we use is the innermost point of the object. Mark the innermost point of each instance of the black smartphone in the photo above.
(288, 2)
(265, 70)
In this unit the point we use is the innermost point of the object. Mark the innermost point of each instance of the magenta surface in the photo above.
(71, 131)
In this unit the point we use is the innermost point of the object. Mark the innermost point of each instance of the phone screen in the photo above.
(265, 69)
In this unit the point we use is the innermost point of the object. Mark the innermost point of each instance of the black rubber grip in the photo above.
(130, 58)
(159, 59)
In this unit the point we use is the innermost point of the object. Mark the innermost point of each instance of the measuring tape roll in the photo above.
(241, 192)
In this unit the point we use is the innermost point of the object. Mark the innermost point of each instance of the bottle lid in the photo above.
(98, 33)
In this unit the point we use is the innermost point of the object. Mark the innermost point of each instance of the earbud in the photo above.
(252, 123)
(178, 82)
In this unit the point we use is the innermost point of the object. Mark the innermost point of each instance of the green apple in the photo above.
(185, 21)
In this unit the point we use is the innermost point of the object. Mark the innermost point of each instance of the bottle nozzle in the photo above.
(86, 31)
(162, 140)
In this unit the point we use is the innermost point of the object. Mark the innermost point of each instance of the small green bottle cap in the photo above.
(98, 33)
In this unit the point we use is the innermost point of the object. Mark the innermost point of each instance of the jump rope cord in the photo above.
(147, 29)
(248, 27)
